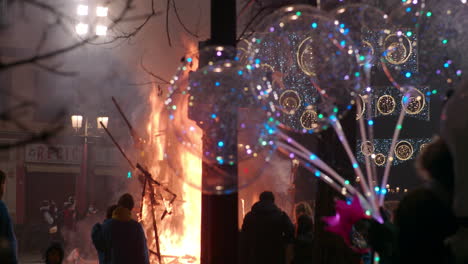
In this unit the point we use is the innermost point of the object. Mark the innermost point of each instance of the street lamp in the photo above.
(77, 121)
(82, 10)
(104, 120)
(101, 11)
(81, 182)
(81, 29)
(88, 12)
(101, 30)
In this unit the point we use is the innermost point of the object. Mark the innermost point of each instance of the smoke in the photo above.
(275, 177)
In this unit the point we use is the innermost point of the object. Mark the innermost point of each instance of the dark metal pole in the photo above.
(219, 232)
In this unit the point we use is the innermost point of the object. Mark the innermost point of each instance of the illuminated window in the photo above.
(101, 30)
(82, 10)
(81, 29)
(101, 11)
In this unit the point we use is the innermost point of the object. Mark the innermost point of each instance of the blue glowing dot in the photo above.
(189, 59)
(220, 144)
(408, 9)
(428, 93)
(346, 31)
(346, 182)
(355, 165)
(349, 107)
(377, 189)
(240, 72)
(236, 58)
(257, 61)
(317, 173)
(446, 65)
(408, 74)
(129, 174)
(409, 33)
(217, 83)
(314, 25)
(313, 157)
(213, 116)
(348, 202)
(342, 25)
(171, 117)
(384, 191)
(370, 122)
(343, 43)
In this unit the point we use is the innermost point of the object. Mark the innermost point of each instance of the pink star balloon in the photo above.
(347, 214)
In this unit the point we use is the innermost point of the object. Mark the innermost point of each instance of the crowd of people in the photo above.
(424, 221)
(423, 229)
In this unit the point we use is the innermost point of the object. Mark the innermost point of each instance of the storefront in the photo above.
(51, 173)
(108, 176)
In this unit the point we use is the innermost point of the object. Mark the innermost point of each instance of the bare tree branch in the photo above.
(45, 135)
(168, 7)
(55, 70)
(59, 51)
(152, 74)
(176, 12)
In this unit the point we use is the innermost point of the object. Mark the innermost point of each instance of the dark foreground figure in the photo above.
(425, 217)
(121, 240)
(267, 233)
(8, 245)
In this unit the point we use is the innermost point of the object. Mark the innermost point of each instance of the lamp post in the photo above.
(91, 11)
(82, 181)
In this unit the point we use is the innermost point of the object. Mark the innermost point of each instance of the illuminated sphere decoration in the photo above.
(361, 107)
(380, 159)
(367, 148)
(309, 119)
(403, 150)
(397, 48)
(216, 118)
(311, 64)
(289, 101)
(386, 104)
(413, 100)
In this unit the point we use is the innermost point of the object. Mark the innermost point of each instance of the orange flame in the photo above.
(179, 231)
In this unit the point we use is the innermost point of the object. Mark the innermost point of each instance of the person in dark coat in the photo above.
(267, 233)
(8, 243)
(96, 235)
(424, 217)
(303, 244)
(123, 238)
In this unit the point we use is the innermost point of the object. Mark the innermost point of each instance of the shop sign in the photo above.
(106, 156)
(62, 154)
